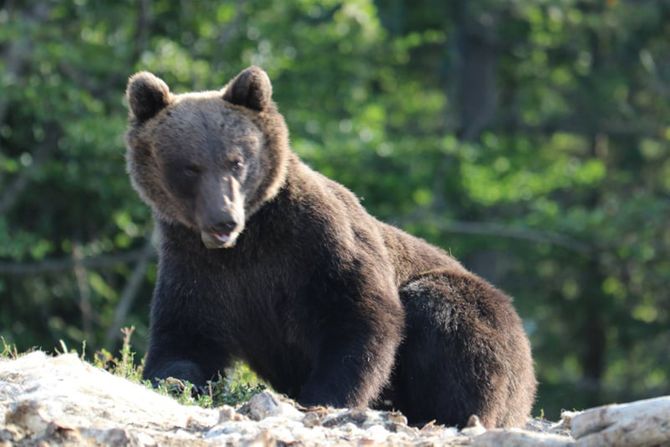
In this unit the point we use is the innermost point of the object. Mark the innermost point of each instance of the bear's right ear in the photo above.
(147, 95)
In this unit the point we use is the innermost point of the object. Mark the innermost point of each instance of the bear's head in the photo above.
(206, 160)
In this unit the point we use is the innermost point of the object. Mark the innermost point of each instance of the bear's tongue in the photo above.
(221, 237)
(218, 239)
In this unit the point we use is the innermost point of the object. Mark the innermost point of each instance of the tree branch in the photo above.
(58, 265)
(142, 28)
(506, 231)
(81, 276)
(130, 292)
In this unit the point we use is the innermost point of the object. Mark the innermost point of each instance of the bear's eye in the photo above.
(192, 170)
(236, 165)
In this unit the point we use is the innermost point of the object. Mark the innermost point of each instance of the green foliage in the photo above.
(9, 350)
(238, 386)
(124, 365)
(530, 139)
(224, 391)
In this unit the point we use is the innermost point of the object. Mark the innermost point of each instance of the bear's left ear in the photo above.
(147, 95)
(251, 88)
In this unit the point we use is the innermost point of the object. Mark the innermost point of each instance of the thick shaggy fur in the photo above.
(325, 302)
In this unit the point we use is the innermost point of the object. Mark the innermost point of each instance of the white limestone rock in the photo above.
(64, 401)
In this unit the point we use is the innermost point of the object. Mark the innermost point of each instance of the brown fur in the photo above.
(325, 302)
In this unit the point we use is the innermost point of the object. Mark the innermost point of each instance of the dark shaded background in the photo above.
(529, 138)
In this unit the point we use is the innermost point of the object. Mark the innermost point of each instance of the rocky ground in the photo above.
(64, 401)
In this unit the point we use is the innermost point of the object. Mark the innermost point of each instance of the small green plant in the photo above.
(8, 350)
(124, 365)
(182, 391)
(239, 385)
(63, 349)
(228, 390)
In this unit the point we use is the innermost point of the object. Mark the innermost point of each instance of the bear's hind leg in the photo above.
(464, 353)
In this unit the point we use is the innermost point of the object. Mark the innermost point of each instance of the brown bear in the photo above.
(265, 260)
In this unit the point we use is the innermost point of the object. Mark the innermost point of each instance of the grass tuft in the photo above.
(8, 350)
(239, 385)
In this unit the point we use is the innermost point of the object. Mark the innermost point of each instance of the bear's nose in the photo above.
(225, 227)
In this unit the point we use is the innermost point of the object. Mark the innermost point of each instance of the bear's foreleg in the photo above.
(356, 345)
(177, 346)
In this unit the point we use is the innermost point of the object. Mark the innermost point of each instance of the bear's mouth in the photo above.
(218, 239)
(222, 237)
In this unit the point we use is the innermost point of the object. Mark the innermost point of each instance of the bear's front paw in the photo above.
(180, 370)
(177, 387)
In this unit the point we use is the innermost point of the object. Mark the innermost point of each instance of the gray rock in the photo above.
(266, 404)
(64, 401)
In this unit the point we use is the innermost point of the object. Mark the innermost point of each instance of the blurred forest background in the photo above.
(529, 138)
